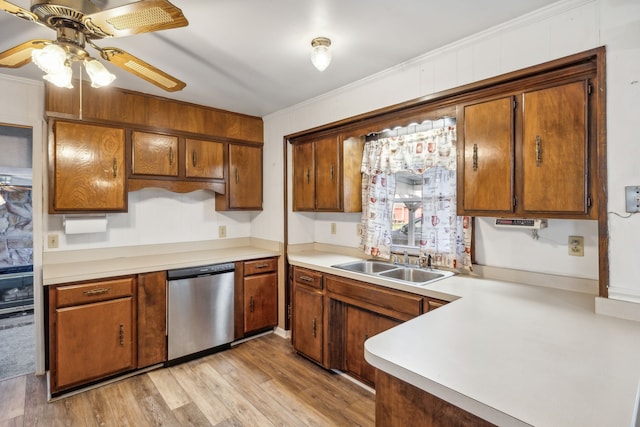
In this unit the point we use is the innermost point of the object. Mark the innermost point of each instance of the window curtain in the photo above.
(432, 154)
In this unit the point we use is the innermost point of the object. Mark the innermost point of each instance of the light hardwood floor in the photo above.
(261, 382)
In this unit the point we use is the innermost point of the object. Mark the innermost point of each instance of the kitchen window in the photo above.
(409, 194)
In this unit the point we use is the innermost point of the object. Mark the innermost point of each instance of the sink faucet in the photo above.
(406, 258)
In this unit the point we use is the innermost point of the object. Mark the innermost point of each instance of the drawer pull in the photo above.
(306, 279)
(265, 265)
(97, 291)
(121, 335)
(538, 151)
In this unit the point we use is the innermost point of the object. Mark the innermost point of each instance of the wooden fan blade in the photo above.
(142, 69)
(134, 18)
(18, 11)
(21, 55)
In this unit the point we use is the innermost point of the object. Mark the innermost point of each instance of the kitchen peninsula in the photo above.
(509, 353)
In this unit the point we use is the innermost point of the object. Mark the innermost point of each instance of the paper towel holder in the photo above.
(84, 223)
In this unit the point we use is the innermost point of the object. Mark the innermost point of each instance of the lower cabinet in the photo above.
(308, 314)
(333, 316)
(92, 331)
(256, 301)
(152, 318)
(360, 325)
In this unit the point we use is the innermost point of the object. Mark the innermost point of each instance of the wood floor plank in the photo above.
(198, 392)
(171, 391)
(238, 406)
(261, 382)
(12, 401)
(190, 415)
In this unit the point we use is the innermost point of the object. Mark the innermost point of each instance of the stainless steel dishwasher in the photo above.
(199, 310)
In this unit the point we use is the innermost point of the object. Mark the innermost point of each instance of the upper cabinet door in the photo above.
(555, 149)
(204, 159)
(245, 177)
(88, 168)
(328, 174)
(488, 170)
(304, 177)
(154, 154)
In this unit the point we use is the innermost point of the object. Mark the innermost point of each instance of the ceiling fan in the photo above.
(79, 23)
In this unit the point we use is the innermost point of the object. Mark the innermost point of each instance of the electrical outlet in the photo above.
(576, 245)
(633, 199)
(359, 229)
(52, 241)
(222, 231)
(333, 228)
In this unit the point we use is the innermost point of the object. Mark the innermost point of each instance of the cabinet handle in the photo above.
(251, 304)
(121, 335)
(538, 151)
(194, 158)
(305, 278)
(308, 176)
(331, 172)
(475, 157)
(97, 291)
(265, 265)
(115, 167)
(315, 327)
(170, 156)
(237, 176)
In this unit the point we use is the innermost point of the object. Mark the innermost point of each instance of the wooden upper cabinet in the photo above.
(304, 177)
(87, 168)
(204, 159)
(245, 177)
(488, 149)
(529, 154)
(154, 154)
(326, 174)
(327, 169)
(555, 149)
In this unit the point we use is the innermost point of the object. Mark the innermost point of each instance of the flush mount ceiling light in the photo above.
(320, 53)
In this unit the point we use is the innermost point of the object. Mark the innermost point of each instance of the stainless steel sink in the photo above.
(368, 267)
(399, 273)
(412, 274)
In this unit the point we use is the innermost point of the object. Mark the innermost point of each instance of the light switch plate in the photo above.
(633, 199)
(222, 231)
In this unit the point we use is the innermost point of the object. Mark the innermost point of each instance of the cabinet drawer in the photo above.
(307, 278)
(260, 266)
(432, 304)
(93, 292)
(368, 296)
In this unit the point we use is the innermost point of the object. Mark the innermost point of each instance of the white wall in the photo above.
(565, 28)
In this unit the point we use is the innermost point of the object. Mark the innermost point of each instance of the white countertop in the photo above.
(75, 270)
(512, 354)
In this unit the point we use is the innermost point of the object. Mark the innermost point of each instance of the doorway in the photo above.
(17, 336)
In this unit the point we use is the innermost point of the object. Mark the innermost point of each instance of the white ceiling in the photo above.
(252, 56)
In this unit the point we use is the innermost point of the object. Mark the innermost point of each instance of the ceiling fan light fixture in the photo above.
(61, 78)
(50, 59)
(320, 53)
(98, 73)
